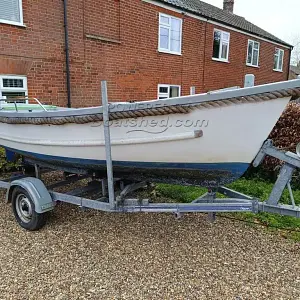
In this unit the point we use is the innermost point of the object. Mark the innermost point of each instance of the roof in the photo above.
(217, 14)
(295, 69)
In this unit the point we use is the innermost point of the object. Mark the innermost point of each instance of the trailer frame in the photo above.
(38, 199)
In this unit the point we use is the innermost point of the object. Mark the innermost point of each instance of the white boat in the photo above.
(206, 139)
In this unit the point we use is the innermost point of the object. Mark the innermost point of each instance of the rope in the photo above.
(175, 109)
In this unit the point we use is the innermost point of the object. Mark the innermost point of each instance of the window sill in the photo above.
(169, 52)
(253, 66)
(280, 71)
(221, 60)
(12, 23)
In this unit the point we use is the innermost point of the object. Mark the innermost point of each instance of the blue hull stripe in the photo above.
(234, 167)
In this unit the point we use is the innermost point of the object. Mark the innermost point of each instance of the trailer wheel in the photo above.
(24, 210)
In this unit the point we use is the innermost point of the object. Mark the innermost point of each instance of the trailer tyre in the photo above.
(24, 210)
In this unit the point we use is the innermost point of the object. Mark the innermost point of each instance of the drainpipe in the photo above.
(67, 52)
(204, 58)
(289, 64)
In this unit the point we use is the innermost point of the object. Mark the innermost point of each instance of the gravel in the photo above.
(96, 255)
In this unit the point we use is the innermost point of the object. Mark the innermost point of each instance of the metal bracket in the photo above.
(129, 189)
(291, 163)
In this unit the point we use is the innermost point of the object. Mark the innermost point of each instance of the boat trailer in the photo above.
(32, 199)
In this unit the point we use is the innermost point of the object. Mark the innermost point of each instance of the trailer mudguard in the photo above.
(36, 190)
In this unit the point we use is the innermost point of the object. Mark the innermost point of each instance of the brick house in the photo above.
(294, 72)
(145, 49)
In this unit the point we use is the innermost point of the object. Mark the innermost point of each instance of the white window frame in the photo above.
(277, 69)
(160, 25)
(221, 46)
(13, 22)
(251, 64)
(167, 94)
(12, 89)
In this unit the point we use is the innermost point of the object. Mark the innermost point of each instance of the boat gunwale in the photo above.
(184, 100)
(192, 100)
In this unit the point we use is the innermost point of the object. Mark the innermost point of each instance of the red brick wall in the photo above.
(37, 50)
(102, 18)
(130, 63)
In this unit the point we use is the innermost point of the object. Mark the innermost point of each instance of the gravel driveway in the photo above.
(95, 255)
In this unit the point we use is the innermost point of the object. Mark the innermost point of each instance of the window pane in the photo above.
(162, 97)
(280, 65)
(12, 82)
(164, 20)
(13, 94)
(250, 49)
(276, 62)
(164, 38)
(10, 10)
(175, 46)
(255, 58)
(225, 36)
(10, 95)
(280, 60)
(175, 35)
(175, 24)
(163, 89)
(174, 91)
(256, 45)
(217, 43)
(224, 51)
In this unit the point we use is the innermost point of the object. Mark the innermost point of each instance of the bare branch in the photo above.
(295, 59)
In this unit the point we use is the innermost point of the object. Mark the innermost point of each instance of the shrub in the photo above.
(6, 166)
(285, 136)
(286, 133)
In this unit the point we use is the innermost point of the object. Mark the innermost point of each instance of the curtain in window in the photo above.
(174, 91)
(217, 44)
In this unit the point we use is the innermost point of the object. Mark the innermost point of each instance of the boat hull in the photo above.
(208, 146)
(201, 174)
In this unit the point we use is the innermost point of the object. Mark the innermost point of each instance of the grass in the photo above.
(287, 226)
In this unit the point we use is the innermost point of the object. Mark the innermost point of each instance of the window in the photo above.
(278, 60)
(13, 87)
(11, 12)
(221, 45)
(170, 32)
(168, 91)
(253, 53)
